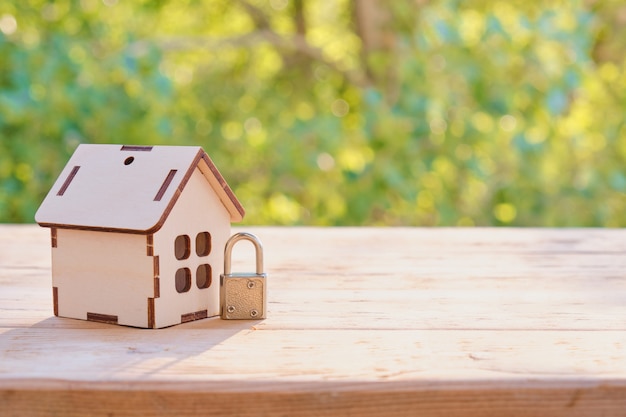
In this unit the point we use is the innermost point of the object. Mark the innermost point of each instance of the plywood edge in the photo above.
(55, 300)
(95, 229)
(102, 318)
(218, 184)
(150, 245)
(157, 276)
(223, 190)
(151, 314)
(173, 199)
(196, 315)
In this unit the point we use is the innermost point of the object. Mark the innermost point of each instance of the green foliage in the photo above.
(469, 113)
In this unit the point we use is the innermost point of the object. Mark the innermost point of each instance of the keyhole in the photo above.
(129, 160)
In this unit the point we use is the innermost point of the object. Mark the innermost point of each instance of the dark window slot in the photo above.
(166, 183)
(68, 180)
(204, 276)
(182, 280)
(136, 148)
(203, 243)
(182, 247)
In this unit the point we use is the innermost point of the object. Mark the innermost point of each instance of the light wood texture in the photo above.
(393, 322)
(197, 210)
(124, 188)
(103, 274)
(106, 264)
(100, 274)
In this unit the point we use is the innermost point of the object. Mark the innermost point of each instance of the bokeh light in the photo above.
(504, 113)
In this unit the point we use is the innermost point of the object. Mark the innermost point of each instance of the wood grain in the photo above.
(128, 192)
(398, 322)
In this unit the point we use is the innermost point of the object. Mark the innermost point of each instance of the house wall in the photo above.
(102, 273)
(198, 209)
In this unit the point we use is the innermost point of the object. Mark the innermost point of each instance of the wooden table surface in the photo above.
(362, 321)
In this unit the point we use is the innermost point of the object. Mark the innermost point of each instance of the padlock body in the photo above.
(243, 296)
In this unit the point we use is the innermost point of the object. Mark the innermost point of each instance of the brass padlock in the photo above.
(243, 295)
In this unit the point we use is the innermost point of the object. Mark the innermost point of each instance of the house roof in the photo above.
(128, 188)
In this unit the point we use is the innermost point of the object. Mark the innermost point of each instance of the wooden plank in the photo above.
(210, 351)
(370, 321)
(310, 399)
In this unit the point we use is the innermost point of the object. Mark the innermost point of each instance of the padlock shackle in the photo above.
(258, 248)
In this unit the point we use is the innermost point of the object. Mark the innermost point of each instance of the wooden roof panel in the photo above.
(127, 188)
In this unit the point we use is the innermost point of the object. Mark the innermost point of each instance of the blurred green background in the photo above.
(364, 112)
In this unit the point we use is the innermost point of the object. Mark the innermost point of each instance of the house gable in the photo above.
(128, 188)
(197, 212)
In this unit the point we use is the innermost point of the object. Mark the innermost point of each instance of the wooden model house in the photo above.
(138, 234)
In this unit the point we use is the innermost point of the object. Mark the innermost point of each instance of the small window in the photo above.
(183, 280)
(204, 276)
(182, 247)
(203, 244)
